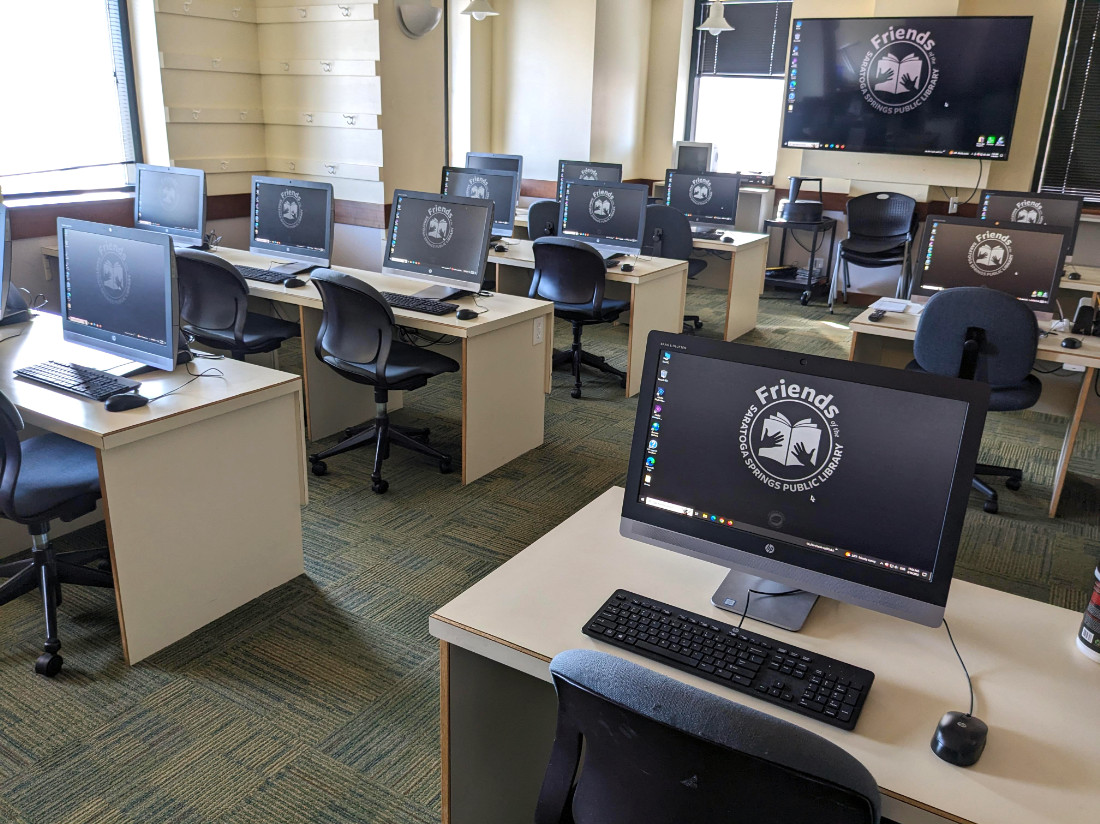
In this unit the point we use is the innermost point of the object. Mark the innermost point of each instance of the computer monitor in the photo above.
(709, 199)
(172, 201)
(118, 289)
(13, 309)
(497, 162)
(841, 479)
(486, 184)
(1061, 211)
(688, 156)
(587, 170)
(292, 220)
(1023, 260)
(440, 239)
(610, 216)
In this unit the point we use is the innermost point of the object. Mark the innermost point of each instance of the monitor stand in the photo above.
(785, 611)
(441, 293)
(16, 310)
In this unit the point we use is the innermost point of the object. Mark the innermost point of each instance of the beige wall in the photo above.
(619, 85)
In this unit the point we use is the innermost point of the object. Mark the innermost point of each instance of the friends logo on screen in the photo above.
(588, 173)
(990, 254)
(438, 227)
(788, 438)
(701, 191)
(1027, 211)
(290, 209)
(601, 206)
(169, 194)
(112, 273)
(478, 187)
(899, 71)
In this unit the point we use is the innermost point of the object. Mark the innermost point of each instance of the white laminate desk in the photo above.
(1034, 689)
(202, 489)
(656, 292)
(744, 282)
(1088, 282)
(890, 342)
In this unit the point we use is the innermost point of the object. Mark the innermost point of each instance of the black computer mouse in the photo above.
(466, 314)
(626, 267)
(727, 239)
(960, 738)
(124, 401)
(1071, 343)
(1073, 275)
(293, 283)
(500, 247)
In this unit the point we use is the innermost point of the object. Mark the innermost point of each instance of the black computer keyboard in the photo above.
(773, 671)
(415, 304)
(80, 380)
(265, 275)
(706, 234)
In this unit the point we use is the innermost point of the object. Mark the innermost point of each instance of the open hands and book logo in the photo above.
(588, 173)
(990, 254)
(601, 206)
(701, 191)
(1027, 211)
(290, 209)
(899, 72)
(169, 194)
(112, 273)
(478, 187)
(438, 227)
(789, 441)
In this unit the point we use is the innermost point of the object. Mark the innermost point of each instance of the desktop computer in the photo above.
(486, 184)
(1024, 260)
(610, 216)
(172, 201)
(689, 156)
(442, 240)
(1039, 209)
(292, 220)
(13, 308)
(587, 170)
(497, 162)
(709, 199)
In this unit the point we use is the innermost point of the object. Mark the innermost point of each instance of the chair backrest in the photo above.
(11, 424)
(356, 322)
(881, 215)
(213, 294)
(660, 751)
(979, 333)
(667, 233)
(542, 219)
(567, 271)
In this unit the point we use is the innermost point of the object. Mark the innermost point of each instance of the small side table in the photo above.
(826, 225)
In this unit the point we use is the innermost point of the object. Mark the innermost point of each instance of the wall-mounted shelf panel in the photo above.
(192, 89)
(227, 183)
(202, 62)
(322, 41)
(326, 120)
(206, 37)
(304, 13)
(198, 115)
(267, 5)
(214, 139)
(335, 68)
(232, 165)
(242, 12)
(330, 144)
(332, 94)
(343, 188)
(305, 168)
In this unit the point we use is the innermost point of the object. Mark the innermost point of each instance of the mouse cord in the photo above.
(751, 592)
(212, 371)
(969, 683)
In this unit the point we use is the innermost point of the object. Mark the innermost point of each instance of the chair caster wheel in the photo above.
(990, 507)
(1013, 484)
(698, 324)
(576, 393)
(48, 664)
(445, 466)
(380, 486)
(319, 468)
(804, 298)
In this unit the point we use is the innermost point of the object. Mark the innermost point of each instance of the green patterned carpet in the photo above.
(319, 702)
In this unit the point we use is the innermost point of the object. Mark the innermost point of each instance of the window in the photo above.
(1068, 160)
(737, 79)
(70, 122)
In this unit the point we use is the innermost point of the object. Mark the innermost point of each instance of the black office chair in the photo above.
(356, 339)
(668, 235)
(572, 274)
(981, 334)
(542, 219)
(214, 308)
(44, 478)
(663, 752)
(880, 234)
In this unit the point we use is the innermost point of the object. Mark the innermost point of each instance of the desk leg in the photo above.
(746, 283)
(654, 304)
(1070, 439)
(192, 535)
(504, 383)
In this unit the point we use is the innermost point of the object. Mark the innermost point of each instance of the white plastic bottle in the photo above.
(1088, 637)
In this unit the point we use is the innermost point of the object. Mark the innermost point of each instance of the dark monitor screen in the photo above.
(942, 86)
(1061, 211)
(1024, 261)
(587, 170)
(485, 184)
(119, 290)
(843, 479)
(5, 258)
(693, 157)
(292, 219)
(171, 200)
(705, 197)
(439, 238)
(608, 215)
(498, 162)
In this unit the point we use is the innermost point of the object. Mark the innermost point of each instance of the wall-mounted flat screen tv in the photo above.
(937, 86)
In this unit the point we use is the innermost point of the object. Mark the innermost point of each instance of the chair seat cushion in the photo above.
(1023, 395)
(262, 333)
(58, 478)
(863, 245)
(609, 310)
(408, 367)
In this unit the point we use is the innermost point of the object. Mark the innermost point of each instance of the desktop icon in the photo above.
(648, 478)
(666, 356)
(664, 373)
(653, 444)
(660, 392)
(650, 461)
(655, 426)
(657, 409)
